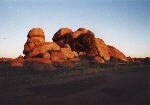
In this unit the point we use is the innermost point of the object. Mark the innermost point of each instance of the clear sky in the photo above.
(124, 24)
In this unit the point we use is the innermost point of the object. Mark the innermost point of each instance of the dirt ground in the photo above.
(129, 87)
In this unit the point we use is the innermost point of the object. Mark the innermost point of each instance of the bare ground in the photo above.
(130, 87)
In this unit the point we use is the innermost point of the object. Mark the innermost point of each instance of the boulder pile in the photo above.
(68, 47)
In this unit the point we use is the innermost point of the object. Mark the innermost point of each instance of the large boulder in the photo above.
(115, 53)
(58, 57)
(46, 47)
(63, 55)
(102, 49)
(79, 32)
(83, 41)
(62, 36)
(36, 38)
(36, 32)
(67, 52)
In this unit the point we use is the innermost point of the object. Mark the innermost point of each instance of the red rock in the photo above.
(102, 49)
(113, 52)
(61, 34)
(28, 47)
(75, 54)
(99, 59)
(82, 53)
(36, 32)
(83, 30)
(46, 55)
(130, 59)
(66, 46)
(58, 57)
(79, 32)
(47, 46)
(67, 52)
(62, 56)
(18, 61)
(36, 38)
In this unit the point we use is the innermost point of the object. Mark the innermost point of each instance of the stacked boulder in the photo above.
(78, 42)
(36, 38)
(36, 49)
(67, 47)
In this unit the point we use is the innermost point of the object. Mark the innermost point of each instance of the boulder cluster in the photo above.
(68, 47)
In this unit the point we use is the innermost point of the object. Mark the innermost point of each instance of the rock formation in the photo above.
(113, 52)
(18, 61)
(62, 36)
(102, 49)
(36, 38)
(67, 47)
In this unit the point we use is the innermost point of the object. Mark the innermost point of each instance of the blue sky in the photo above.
(124, 24)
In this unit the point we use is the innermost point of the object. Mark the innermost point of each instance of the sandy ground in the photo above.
(129, 87)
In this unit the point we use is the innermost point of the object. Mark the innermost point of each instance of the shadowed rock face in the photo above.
(84, 43)
(62, 36)
(67, 46)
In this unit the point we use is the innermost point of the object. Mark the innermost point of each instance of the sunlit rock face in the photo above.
(113, 52)
(67, 47)
(102, 49)
(36, 38)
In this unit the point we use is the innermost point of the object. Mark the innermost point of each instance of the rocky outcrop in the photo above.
(113, 52)
(36, 32)
(36, 38)
(47, 47)
(102, 49)
(68, 47)
(79, 32)
(62, 36)
(67, 52)
(17, 62)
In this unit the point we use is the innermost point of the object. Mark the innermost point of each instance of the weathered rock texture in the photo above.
(67, 47)
(36, 38)
(113, 52)
(63, 36)
(102, 49)
(44, 48)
